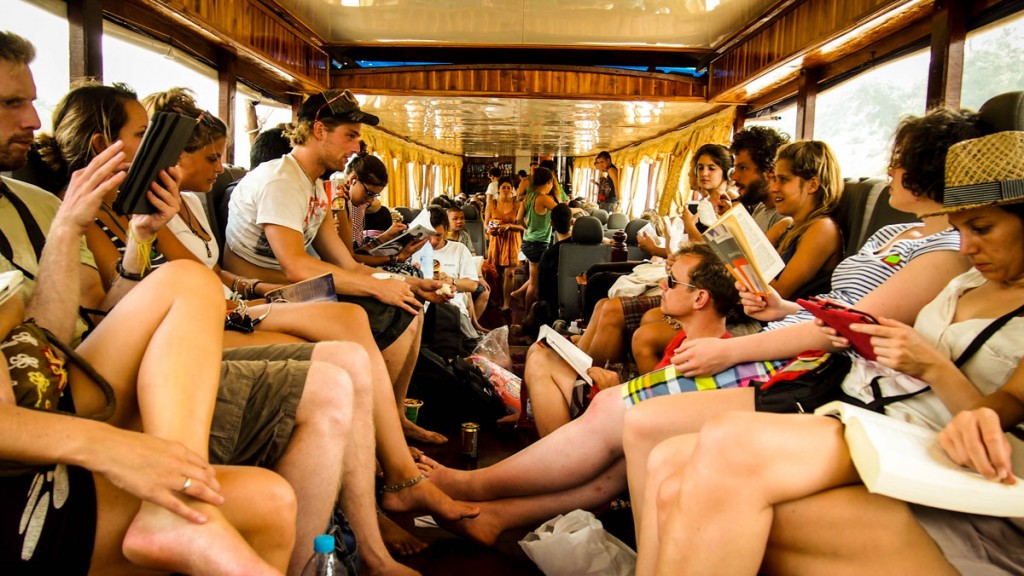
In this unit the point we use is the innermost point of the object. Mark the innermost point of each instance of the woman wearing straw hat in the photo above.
(788, 499)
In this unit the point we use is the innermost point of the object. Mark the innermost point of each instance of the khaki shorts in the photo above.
(259, 393)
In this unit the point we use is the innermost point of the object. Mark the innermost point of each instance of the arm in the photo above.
(817, 246)
(900, 298)
(53, 305)
(545, 201)
(769, 309)
(349, 277)
(646, 243)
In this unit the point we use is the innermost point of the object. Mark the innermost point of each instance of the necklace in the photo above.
(203, 236)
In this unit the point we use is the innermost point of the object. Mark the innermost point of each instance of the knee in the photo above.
(327, 398)
(668, 491)
(277, 500)
(351, 357)
(725, 444)
(636, 426)
(652, 315)
(189, 277)
(613, 311)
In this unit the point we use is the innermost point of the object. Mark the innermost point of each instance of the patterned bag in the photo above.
(39, 377)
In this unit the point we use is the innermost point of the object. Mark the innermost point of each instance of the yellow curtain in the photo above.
(679, 145)
(397, 153)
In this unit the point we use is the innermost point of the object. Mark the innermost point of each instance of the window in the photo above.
(857, 117)
(42, 22)
(992, 57)
(783, 120)
(269, 113)
(149, 66)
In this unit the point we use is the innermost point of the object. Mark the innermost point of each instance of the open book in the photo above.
(161, 145)
(419, 228)
(578, 359)
(316, 289)
(10, 283)
(744, 249)
(904, 461)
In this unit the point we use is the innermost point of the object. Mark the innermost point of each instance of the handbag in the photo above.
(811, 379)
(39, 377)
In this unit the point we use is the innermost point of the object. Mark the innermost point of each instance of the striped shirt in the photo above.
(868, 269)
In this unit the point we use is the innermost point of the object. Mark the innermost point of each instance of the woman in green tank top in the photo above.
(535, 216)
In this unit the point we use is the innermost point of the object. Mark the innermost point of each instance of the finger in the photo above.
(202, 491)
(404, 305)
(171, 501)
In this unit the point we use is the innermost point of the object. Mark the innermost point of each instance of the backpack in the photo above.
(453, 391)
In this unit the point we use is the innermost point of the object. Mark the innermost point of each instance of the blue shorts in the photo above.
(534, 250)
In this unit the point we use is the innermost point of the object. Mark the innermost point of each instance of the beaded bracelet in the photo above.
(126, 274)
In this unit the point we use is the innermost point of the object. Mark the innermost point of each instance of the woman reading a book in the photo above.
(899, 269)
(718, 506)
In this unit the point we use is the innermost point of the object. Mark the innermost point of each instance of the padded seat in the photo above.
(601, 215)
(406, 213)
(575, 258)
(617, 221)
(633, 251)
(475, 228)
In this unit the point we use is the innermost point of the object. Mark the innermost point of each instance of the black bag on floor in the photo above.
(452, 392)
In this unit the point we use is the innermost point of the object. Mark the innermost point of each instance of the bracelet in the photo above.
(392, 260)
(252, 289)
(126, 274)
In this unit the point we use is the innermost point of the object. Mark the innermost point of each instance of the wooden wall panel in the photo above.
(505, 81)
(808, 25)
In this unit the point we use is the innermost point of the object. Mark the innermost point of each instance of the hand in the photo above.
(900, 347)
(689, 218)
(975, 438)
(155, 470)
(839, 342)
(87, 188)
(411, 248)
(603, 379)
(764, 309)
(703, 357)
(428, 290)
(646, 243)
(165, 196)
(393, 232)
(398, 293)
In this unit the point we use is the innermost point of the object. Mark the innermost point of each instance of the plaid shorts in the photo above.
(633, 309)
(665, 381)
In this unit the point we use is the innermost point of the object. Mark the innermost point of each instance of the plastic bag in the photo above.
(505, 383)
(576, 544)
(494, 347)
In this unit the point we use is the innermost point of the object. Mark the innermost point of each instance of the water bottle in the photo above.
(323, 562)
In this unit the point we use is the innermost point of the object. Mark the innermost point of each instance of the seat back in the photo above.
(854, 210)
(601, 215)
(406, 213)
(617, 221)
(574, 258)
(218, 199)
(882, 214)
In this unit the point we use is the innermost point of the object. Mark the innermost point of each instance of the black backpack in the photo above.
(453, 392)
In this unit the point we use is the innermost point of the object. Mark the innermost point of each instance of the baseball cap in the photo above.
(340, 105)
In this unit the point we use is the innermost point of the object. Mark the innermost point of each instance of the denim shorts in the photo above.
(534, 250)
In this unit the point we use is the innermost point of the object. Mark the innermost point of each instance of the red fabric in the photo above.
(676, 342)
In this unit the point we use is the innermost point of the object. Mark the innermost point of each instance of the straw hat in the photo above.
(986, 171)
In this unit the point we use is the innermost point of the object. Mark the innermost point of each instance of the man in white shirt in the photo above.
(455, 266)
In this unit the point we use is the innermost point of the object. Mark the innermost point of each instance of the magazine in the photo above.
(316, 289)
(576, 358)
(418, 229)
(744, 249)
(904, 461)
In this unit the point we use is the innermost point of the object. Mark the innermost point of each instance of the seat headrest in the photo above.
(632, 228)
(1003, 112)
(587, 230)
(600, 215)
(471, 212)
(617, 220)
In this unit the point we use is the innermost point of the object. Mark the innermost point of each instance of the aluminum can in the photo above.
(469, 439)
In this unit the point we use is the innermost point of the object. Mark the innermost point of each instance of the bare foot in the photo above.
(159, 539)
(397, 539)
(416, 453)
(427, 497)
(484, 529)
(388, 568)
(449, 480)
(417, 434)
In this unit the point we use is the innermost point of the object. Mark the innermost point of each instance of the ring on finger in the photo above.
(185, 486)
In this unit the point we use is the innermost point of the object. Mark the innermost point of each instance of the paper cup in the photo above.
(412, 409)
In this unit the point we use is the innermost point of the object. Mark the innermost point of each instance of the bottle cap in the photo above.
(323, 544)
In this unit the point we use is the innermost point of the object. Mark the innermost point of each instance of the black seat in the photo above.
(574, 258)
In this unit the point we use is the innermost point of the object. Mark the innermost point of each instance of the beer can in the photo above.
(470, 438)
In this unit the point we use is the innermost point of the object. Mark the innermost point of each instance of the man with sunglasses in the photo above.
(698, 293)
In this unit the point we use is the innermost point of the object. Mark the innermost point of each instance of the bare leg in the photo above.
(312, 463)
(508, 275)
(718, 511)
(847, 531)
(259, 508)
(165, 378)
(480, 302)
(658, 419)
(532, 285)
(400, 358)
(397, 539)
(650, 340)
(550, 381)
(566, 458)
(497, 516)
(604, 339)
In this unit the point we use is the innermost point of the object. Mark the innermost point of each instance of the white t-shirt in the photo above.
(276, 192)
(456, 261)
(492, 189)
(194, 243)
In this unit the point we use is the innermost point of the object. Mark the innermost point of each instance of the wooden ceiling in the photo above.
(536, 76)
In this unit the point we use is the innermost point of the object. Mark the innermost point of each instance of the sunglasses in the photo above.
(672, 282)
(345, 94)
